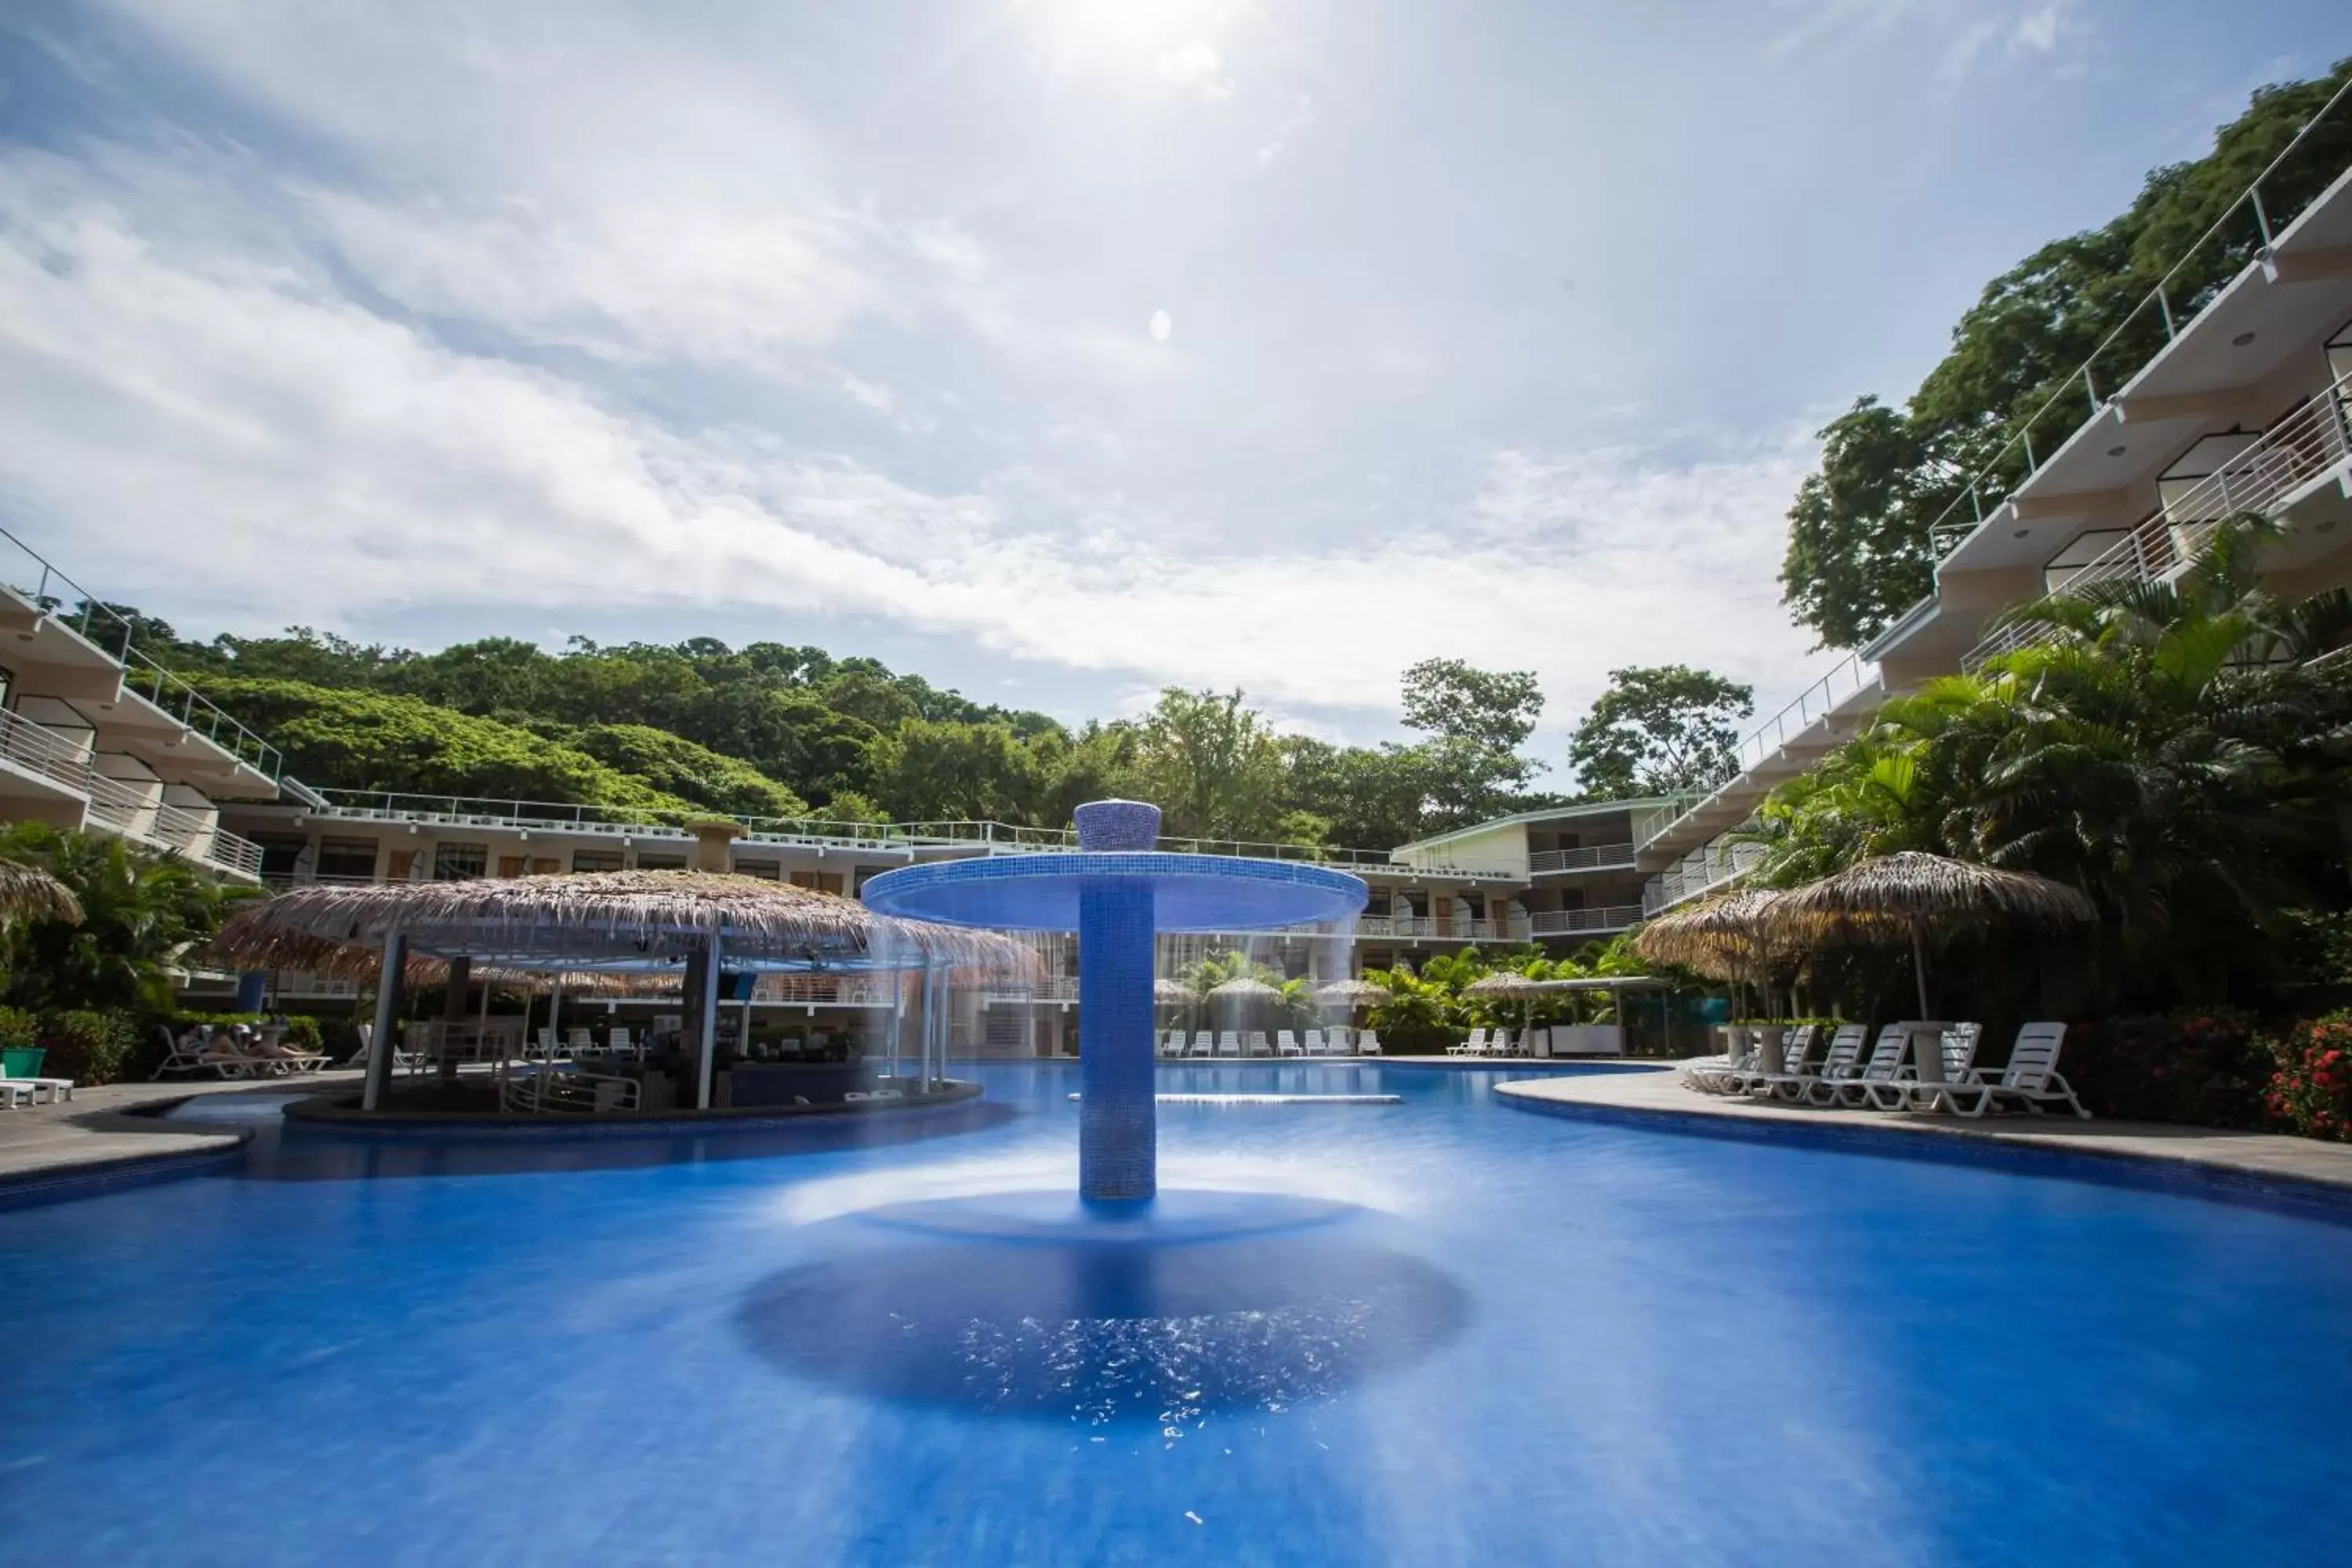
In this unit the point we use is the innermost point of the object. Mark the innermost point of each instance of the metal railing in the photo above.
(906, 838)
(1577, 922)
(142, 675)
(1702, 871)
(119, 807)
(2118, 359)
(2310, 443)
(1585, 857)
(37, 749)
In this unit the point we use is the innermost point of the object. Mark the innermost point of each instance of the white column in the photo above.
(382, 1047)
(709, 1019)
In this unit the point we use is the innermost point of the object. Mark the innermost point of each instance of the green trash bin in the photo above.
(22, 1061)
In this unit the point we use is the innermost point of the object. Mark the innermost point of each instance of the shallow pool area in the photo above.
(1437, 1332)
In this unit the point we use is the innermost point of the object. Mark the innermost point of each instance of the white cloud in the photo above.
(1194, 64)
(1286, 129)
(1961, 33)
(230, 438)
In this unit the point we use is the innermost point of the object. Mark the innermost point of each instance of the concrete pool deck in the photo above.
(1655, 1098)
(98, 1135)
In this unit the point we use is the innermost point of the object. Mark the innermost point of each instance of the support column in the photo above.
(382, 1045)
(1118, 1129)
(453, 1011)
(709, 1019)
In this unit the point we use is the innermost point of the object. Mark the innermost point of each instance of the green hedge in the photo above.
(88, 1045)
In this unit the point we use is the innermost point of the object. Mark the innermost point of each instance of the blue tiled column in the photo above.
(1118, 1131)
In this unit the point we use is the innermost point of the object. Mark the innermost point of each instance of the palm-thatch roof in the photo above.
(1880, 899)
(1245, 985)
(1350, 994)
(1735, 936)
(1165, 991)
(627, 920)
(1504, 986)
(27, 892)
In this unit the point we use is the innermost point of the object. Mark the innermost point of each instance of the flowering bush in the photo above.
(2206, 1069)
(2311, 1092)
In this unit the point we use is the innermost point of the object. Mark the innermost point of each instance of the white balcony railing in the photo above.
(1584, 857)
(119, 807)
(2310, 443)
(1580, 923)
(1701, 872)
(909, 839)
(36, 749)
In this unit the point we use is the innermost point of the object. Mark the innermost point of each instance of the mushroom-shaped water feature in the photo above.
(1118, 891)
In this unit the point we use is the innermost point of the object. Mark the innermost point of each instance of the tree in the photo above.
(1659, 730)
(1494, 710)
(1212, 765)
(1859, 548)
(138, 913)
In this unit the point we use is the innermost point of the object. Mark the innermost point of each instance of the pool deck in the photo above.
(97, 1129)
(1658, 1098)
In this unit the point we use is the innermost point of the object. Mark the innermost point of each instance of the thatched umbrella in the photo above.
(27, 892)
(1247, 986)
(1885, 897)
(1350, 994)
(631, 921)
(1506, 986)
(1731, 937)
(1169, 993)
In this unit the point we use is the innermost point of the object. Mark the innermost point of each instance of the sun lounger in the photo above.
(2030, 1078)
(1368, 1044)
(1204, 1044)
(1286, 1044)
(1229, 1042)
(1783, 1066)
(1476, 1046)
(1258, 1046)
(1878, 1076)
(185, 1054)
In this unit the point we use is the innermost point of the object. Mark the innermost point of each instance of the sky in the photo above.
(1054, 349)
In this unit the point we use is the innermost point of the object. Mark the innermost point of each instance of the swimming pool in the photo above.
(1455, 1334)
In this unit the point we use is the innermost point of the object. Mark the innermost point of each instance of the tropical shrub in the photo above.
(140, 913)
(19, 1026)
(87, 1044)
(2311, 1089)
(2200, 1067)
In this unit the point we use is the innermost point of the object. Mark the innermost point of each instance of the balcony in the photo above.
(2309, 447)
(1584, 923)
(62, 768)
(1700, 872)
(911, 840)
(1812, 722)
(1584, 857)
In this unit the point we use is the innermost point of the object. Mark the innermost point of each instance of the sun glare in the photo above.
(1134, 25)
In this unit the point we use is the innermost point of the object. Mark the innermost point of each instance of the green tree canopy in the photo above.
(1859, 550)
(1659, 730)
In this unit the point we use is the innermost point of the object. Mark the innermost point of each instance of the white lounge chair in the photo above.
(1335, 1039)
(185, 1054)
(37, 1090)
(1783, 1065)
(1796, 1072)
(1258, 1046)
(578, 1042)
(1368, 1044)
(1502, 1044)
(1229, 1042)
(16, 1091)
(1476, 1046)
(1286, 1044)
(2030, 1078)
(1879, 1083)
(1204, 1044)
(1714, 1075)
(1311, 1044)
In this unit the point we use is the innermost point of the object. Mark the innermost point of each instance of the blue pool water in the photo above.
(1444, 1331)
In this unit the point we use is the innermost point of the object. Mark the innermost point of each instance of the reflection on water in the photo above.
(1100, 1323)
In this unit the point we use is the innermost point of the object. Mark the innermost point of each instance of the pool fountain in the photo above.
(1118, 893)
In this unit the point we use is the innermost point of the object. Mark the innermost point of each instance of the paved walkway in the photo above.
(95, 1128)
(1622, 1097)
